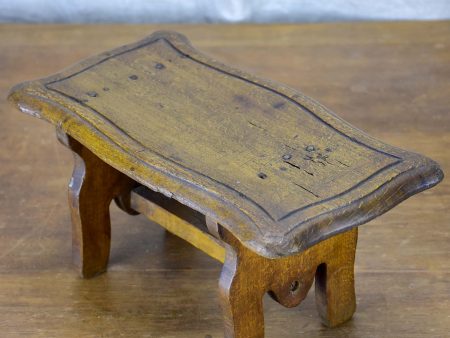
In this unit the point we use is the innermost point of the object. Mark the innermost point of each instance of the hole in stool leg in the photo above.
(294, 287)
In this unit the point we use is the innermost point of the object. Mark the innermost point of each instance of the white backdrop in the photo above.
(137, 11)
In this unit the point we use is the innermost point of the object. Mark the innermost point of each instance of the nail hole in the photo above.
(160, 66)
(310, 148)
(133, 77)
(294, 286)
(92, 94)
(262, 176)
(287, 157)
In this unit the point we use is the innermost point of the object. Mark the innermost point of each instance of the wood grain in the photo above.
(246, 277)
(271, 165)
(402, 266)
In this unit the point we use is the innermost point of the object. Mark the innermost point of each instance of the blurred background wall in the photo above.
(212, 11)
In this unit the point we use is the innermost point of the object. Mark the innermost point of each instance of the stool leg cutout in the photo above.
(247, 276)
(335, 286)
(91, 189)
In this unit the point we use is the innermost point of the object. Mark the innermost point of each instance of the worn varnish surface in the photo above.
(402, 269)
(269, 164)
(247, 276)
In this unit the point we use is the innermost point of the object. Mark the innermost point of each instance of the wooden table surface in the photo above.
(390, 79)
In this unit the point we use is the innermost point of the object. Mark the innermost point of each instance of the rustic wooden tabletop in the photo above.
(391, 80)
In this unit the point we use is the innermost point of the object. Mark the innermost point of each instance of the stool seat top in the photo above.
(277, 169)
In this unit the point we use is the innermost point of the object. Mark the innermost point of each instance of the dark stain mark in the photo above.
(307, 190)
(160, 105)
(283, 168)
(159, 66)
(132, 169)
(92, 94)
(262, 176)
(243, 101)
(278, 105)
(344, 164)
(287, 157)
(105, 89)
(295, 136)
(133, 77)
(310, 148)
(208, 336)
(329, 150)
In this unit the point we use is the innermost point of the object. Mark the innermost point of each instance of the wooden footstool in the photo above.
(253, 173)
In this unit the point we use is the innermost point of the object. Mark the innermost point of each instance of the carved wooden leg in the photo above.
(91, 189)
(335, 286)
(246, 277)
(241, 298)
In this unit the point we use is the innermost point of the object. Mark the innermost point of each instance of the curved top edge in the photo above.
(426, 175)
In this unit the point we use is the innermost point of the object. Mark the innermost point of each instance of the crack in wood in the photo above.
(257, 126)
(308, 172)
(294, 165)
(298, 167)
(344, 164)
(307, 190)
(290, 147)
